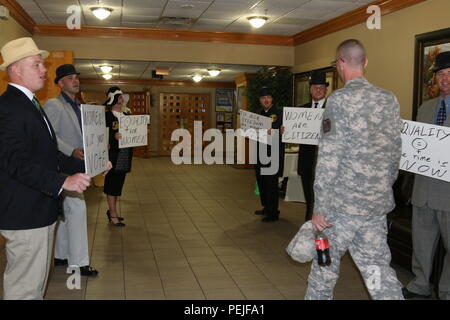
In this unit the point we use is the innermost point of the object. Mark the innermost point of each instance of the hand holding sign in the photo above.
(77, 182)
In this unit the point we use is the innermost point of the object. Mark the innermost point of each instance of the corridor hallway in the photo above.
(191, 233)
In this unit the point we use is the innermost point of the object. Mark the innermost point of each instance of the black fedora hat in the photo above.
(65, 70)
(318, 77)
(442, 61)
(264, 91)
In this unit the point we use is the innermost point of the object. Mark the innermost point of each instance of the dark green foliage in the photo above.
(279, 81)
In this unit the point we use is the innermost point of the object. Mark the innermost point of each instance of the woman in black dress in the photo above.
(120, 158)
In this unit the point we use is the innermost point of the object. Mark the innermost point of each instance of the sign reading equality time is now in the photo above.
(302, 125)
(95, 140)
(426, 149)
(254, 126)
(133, 130)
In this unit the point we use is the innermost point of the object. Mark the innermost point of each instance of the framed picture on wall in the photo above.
(224, 100)
(220, 117)
(228, 117)
(428, 46)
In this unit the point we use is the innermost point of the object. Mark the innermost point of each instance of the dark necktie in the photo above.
(37, 104)
(41, 111)
(442, 114)
(315, 106)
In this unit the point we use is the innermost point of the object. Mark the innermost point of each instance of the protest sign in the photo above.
(254, 126)
(426, 149)
(133, 130)
(95, 140)
(302, 125)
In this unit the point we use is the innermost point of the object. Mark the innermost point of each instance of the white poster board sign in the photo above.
(133, 130)
(426, 149)
(302, 125)
(258, 123)
(95, 140)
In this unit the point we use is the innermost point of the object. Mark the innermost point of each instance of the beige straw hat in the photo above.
(18, 49)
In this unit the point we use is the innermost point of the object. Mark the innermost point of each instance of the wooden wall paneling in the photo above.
(50, 90)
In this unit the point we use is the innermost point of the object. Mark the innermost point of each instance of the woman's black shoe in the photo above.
(109, 213)
(118, 224)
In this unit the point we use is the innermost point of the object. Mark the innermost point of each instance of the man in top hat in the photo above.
(268, 184)
(64, 112)
(430, 199)
(30, 173)
(307, 154)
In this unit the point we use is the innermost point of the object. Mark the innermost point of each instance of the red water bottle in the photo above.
(323, 250)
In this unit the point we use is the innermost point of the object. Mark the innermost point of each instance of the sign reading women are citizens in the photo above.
(426, 149)
(302, 125)
(95, 140)
(133, 130)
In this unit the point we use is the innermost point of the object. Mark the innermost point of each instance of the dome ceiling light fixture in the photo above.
(101, 12)
(214, 72)
(197, 78)
(107, 76)
(257, 21)
(106, 68)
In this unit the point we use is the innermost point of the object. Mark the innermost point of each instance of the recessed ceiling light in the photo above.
(107, 76)
(213, 72)
(106, 68)
(197, 78)
(257, 21)
(187, 6)
(101, 12)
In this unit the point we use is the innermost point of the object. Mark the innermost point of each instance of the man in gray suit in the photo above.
(64, 112)
(431, 200)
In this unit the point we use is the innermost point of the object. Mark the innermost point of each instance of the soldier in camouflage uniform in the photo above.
(357, 165)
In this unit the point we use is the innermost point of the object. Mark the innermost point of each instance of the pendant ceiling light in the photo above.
(213, 72)
(257, 21)
(101, 12)
(197, 78)
(106, 68)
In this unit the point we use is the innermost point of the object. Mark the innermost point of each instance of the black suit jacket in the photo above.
(307, 154)
(30, 165)
(277, 120)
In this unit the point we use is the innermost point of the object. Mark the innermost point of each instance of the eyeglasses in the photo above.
(334, 62)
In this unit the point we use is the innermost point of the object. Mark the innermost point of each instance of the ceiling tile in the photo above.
(139, 19)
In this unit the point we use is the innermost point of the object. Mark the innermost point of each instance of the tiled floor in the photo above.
(191, 234)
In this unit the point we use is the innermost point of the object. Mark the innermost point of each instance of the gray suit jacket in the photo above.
(65, 123)
(430, 192)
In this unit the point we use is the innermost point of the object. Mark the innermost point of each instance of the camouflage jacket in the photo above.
(359, 151)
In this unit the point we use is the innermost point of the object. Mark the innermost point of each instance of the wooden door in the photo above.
(179, 111)
(139, 103)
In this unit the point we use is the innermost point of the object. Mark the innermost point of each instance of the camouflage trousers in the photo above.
(366, 240)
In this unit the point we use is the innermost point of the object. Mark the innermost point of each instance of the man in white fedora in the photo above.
(30, 173)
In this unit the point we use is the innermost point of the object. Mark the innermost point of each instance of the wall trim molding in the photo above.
(16, 11)
(154, 83)
(163, 34)
(344, 21)
(350, 19)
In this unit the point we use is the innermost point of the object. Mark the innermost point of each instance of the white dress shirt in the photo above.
(320, 103)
